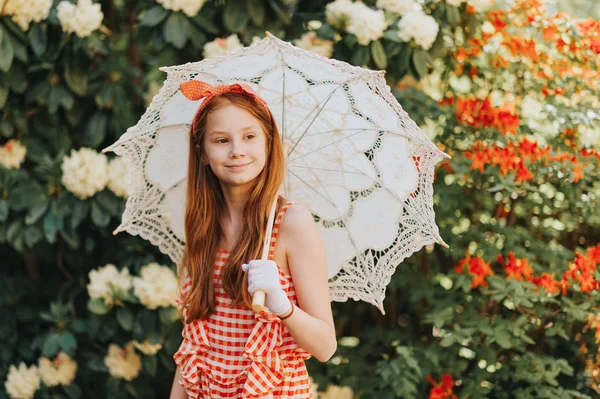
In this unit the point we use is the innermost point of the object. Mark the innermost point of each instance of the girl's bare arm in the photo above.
(177, 391)
(312, 325)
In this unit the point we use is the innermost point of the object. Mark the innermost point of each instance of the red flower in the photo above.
(443, 389)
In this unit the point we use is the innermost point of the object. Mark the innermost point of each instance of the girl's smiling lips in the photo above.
(238, 166)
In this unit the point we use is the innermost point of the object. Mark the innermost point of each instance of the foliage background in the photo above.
(507, 312)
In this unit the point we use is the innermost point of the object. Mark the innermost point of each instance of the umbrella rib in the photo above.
(312, 188)
(343, 130)
(283, 99)
(320, 107)
(319, 149)
(346, 227)
(325, 169)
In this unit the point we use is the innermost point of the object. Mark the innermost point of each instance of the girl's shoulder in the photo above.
(297, 222)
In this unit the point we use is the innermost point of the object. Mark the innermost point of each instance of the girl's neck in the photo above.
(231, 219)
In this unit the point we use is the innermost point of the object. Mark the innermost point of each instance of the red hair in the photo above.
(205, 204)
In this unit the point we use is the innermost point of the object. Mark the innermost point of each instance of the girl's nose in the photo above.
(236, 149)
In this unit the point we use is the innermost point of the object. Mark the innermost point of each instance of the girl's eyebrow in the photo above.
(246, 128)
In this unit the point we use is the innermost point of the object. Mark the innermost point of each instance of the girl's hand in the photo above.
(264, 275)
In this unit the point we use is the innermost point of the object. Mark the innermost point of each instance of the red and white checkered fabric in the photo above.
(236, 353)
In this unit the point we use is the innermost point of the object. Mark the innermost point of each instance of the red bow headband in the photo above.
(196, 90)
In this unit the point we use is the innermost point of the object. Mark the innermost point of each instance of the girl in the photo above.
(235, 169)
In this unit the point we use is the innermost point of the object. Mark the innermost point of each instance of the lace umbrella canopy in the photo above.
(354, 157)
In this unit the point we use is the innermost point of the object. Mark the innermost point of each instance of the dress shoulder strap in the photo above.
(276, 225)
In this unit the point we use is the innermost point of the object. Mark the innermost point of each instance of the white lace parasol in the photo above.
(354, 157)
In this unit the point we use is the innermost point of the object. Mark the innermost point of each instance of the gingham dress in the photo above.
(236, 353)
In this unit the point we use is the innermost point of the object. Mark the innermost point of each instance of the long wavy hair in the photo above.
(205, 205)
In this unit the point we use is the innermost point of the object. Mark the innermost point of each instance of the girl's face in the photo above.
(235, 145)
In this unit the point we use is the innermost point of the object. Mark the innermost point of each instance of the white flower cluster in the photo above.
(222, 46)
(337, 392)
(356, 18)
(22, 382)
(12, 154)
(157, 286)
(117, 177)
(480, 5)
(338, 13)
(60, 371)
(366, 24)
(419, 26)
(309, 41)
(398, 6)
(26, 11)
(189, 7)
(85, 172)
(109, 284)
(123, 362)
(147, 348)
(83, 18)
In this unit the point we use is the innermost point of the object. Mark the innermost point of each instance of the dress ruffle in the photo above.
(264, 374)
(267, 370)
(189, 356)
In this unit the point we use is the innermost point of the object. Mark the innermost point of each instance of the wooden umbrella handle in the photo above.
(258, 299)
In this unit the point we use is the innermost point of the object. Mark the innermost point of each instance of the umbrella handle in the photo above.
(258, 299)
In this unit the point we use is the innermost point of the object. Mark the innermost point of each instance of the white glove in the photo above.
(264, 275)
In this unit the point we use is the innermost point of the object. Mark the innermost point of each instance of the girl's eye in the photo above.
(221, 141)
(250, 136)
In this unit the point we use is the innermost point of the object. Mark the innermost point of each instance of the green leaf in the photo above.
(79, 211)
(197, 37)
(51, 345)
(3, 210)
(282, 12)
(419, 60)
(392, 35)
(73, 391)
(99, 216)
(153, 16)
(70, 236)
(7, 53)
(14, 230)
(68, 342)
(257, 11)
(144, 324)
(94, 324)
(3, 98)
(175, 30)
(52, 100)
(125, 318)
(502, 337)
(452, 15)
(206, 23)
(379, 55)
(27, 195)
(37, 39)
(235, 15)
(76, 78)
(150, 364)
(361, 56)
(35, 213)
(32, 236)
(403, 60)
(168, 316)
(95, 130)
(19, 48)
(52, 224)
(97, 306)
